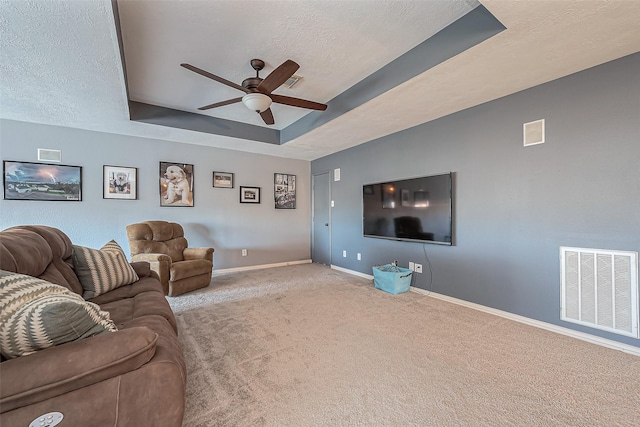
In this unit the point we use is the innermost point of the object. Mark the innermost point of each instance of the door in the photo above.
(321, 238)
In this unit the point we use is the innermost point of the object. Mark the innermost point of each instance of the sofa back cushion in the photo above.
(39, 251)
(157, 237)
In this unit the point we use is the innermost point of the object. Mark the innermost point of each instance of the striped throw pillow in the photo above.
(103, 270)
(36, 314)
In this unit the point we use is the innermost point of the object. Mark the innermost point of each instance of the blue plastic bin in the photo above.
(392, 279)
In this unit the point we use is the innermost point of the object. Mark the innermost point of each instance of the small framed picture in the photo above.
(388, 196)
(223, 180)
(284, 190)
(176, 184)
(249, 194)
(42, 181)
(119, 182)
(406, 195)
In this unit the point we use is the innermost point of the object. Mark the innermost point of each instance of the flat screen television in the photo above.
(416, 209)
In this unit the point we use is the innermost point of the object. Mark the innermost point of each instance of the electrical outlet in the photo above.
(344, 254)
(418, 268)
(359, 256)
(411, 266)
(244, 252)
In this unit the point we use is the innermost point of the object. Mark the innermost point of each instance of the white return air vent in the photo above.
(48, 155)
(599, 288)
(533, 133)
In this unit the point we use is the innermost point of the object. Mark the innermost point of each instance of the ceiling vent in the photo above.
(291, 81)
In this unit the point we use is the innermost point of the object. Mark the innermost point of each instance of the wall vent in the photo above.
(45, 154)
(291, 81)
(533, 133)
(599, 289)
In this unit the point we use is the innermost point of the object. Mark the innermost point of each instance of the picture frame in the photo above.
(405, 197)
(41, 181)
(421, 199)
(119, 182)
(223, 180)
(249, 194)
(284, 190)
(388, 196)
(176, 184)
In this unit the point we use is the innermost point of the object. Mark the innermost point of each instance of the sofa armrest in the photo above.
(66, 367)
(198, 253)
(142, 268)
(159, 265)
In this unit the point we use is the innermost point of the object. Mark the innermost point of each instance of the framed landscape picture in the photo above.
(223, 179)
(284, 190)
(176, 184)
(249, 194)
(119, 182)
(41, 181)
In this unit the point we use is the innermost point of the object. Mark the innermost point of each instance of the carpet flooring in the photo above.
(306, 345)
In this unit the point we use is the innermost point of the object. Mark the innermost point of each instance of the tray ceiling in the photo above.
(61, 62)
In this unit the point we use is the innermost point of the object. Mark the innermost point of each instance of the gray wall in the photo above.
(514, 206)
(217, 218)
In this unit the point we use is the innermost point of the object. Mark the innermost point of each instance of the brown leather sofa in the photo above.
(162, 244)
(135, 376)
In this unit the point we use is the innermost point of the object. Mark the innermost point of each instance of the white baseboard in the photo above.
(515, 317)
(536, 323)
(260, 267)
(352, 272)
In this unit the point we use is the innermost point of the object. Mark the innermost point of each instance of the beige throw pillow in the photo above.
(101, 271)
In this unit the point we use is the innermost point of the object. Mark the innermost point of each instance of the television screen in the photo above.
(417, 209)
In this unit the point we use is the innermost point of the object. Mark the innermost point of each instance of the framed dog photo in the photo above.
(176, 184)
(41, 181)
(223, 180)
(119, 182)
(249, 194)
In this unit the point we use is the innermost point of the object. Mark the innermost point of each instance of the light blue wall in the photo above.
(217, 218)
(514, 206)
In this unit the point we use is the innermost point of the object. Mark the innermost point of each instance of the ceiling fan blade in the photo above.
(214, 77)
(297, 102)
(278, 76)
(221, 104)
(267, 116)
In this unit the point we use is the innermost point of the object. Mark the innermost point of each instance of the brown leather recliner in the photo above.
(179, 268)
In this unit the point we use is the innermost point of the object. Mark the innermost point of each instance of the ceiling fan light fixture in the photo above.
(258, 102)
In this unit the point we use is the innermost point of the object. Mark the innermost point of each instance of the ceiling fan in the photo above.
(258, 90)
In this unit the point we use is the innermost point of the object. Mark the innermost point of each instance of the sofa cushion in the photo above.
(145, 284)
(103, 270)
(35, 314)
(39, 251)
(141, 305)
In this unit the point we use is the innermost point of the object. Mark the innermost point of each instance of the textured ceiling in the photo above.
(336, 43)
(60, 61)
